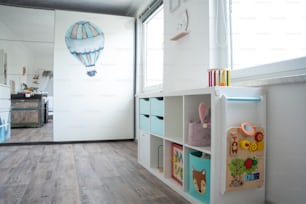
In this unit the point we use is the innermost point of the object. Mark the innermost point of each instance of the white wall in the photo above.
(100, 107)
(39, 63)
(17, 56)
(286, 141)
(186, 61)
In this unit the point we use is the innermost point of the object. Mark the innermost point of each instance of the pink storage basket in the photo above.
(197, 135)
(199, 132)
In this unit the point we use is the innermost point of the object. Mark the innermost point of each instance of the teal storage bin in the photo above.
(144, 122)
(199, 177)
(157, 106)
(5, 126)
(144, 106)
(2, 134)
(157, 125)
(5, 132)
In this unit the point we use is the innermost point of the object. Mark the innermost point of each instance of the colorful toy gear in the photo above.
(253, 147)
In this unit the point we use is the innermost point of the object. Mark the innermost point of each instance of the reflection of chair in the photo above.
(50, 107)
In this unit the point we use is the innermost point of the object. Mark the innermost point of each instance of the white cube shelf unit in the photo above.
(163, 120)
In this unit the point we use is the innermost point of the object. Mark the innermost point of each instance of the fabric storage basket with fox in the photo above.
(199, 176)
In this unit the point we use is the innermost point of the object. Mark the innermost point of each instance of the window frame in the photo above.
(144, 88)
(280, 69)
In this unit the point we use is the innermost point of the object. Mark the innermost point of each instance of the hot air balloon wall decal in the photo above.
(85, 41)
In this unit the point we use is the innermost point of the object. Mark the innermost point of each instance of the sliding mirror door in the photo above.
(27, 39)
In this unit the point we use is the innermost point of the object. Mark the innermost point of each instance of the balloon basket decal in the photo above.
(85, 41)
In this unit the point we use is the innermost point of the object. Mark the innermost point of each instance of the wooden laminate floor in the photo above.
(24, 135)
(87, 173)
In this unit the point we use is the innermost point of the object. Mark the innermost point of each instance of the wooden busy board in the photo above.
(244, 159)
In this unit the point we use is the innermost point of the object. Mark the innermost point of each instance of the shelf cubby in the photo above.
(191, 104)
(144, 148)
(168, 165)
(187, 151)
(156, 154)
(168, 158)
(174, 118)
(206, 150)
(197, 163)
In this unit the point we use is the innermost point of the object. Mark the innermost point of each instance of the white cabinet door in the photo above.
(144, 149)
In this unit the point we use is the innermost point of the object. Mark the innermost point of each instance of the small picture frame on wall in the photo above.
(5, 68)
(174, 5)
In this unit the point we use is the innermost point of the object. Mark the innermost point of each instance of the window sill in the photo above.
(272, 81)
(285, 72)
(152, 89)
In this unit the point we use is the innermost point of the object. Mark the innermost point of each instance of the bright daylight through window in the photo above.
(267, 31)
(154, 49)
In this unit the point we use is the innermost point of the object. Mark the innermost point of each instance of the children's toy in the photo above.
(199, 131)
(202, 113)
(177, 163)
(245, 157)
(247, 129)
(219, 77)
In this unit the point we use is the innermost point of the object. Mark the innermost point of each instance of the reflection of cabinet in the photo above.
(229, 107)
(27, 112)
(4, 113)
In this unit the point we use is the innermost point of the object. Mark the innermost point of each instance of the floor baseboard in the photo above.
(62, 142)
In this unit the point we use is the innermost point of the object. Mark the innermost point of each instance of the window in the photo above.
(153, 49)
(267, 31)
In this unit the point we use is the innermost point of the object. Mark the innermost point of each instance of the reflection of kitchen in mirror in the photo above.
(27, 40)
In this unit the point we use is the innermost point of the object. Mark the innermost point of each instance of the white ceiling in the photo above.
(116, 7)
